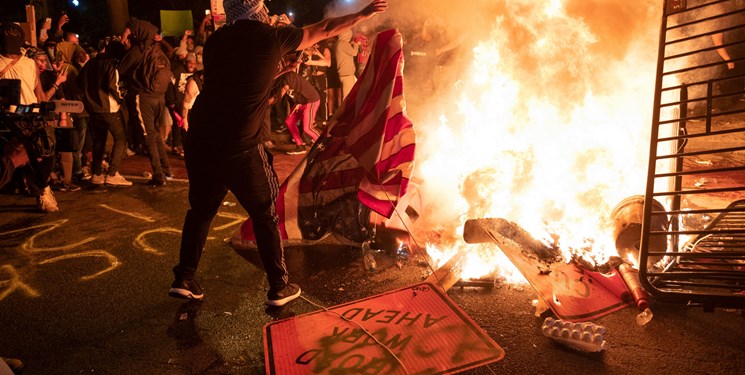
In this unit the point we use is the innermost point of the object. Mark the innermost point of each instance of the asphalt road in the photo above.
(84, 291)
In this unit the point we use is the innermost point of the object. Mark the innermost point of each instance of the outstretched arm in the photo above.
(718, 39)
(331, 27)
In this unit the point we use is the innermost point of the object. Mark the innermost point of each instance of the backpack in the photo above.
(153, 73)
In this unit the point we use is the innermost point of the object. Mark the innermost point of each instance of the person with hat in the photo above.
(224, 150)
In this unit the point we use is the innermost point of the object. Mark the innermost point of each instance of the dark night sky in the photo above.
(307, 11)
(91, 16)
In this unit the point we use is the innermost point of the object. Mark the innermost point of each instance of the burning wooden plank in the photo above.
(449, 273)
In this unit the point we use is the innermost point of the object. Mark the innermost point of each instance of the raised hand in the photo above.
(375, 7)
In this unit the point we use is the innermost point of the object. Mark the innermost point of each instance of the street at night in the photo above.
(493, 187)
(84, 290)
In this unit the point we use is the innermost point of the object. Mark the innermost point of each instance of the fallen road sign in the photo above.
(415, 330)
(573, 293)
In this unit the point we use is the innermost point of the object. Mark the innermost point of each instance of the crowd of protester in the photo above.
(138, 88)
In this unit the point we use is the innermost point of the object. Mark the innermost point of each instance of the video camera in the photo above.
(32, 124)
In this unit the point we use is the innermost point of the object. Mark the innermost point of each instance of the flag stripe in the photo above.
(368, 148)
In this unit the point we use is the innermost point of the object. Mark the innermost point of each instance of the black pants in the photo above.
(100, 125)
(37, 172)
(135, 139)
(149, 111)
(252, 179)
(320, 84)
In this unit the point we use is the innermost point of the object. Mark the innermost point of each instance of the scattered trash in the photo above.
(228, 204)
(586, 337)
(630, 276)
(227, 313)
(147, 174)
(701, 182)
(644, 317)
(183, 316)
(704, 162)
(368, 257)
(402, 254)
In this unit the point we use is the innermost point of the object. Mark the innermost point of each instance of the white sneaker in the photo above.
(98, 179)
(46, 201)
(117, 180)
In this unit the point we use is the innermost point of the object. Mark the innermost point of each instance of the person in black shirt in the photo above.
(224, 150)
(99, 81)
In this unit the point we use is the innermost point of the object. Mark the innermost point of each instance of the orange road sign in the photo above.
(416, 328)
(573, 293)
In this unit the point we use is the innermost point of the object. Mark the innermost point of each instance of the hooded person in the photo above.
(224, 150)
(99, 81)
(146, 72)
(141, 38)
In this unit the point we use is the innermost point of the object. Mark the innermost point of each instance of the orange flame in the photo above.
(550, 134)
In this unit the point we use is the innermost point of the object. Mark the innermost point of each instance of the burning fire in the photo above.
(549, 129)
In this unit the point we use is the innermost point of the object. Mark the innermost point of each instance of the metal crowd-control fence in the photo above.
(697, 158)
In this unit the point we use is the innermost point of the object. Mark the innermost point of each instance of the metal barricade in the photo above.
(697, 157)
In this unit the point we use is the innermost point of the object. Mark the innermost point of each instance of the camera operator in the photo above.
(14, 65)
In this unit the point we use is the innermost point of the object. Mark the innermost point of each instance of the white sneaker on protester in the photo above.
(98, 179)
(117, 180)
(46, 202)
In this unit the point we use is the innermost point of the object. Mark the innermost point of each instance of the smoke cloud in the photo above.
(559, 48)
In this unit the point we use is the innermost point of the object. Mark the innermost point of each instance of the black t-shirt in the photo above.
(240, 62)
(301, 91)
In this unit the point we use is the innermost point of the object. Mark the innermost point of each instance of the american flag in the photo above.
(362, 162)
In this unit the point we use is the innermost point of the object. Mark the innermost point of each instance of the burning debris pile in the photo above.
(536, 260)
(537, 113)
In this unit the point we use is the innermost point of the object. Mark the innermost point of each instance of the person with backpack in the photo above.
(146, 71)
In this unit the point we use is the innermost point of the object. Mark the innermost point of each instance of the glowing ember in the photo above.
(548, 128)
